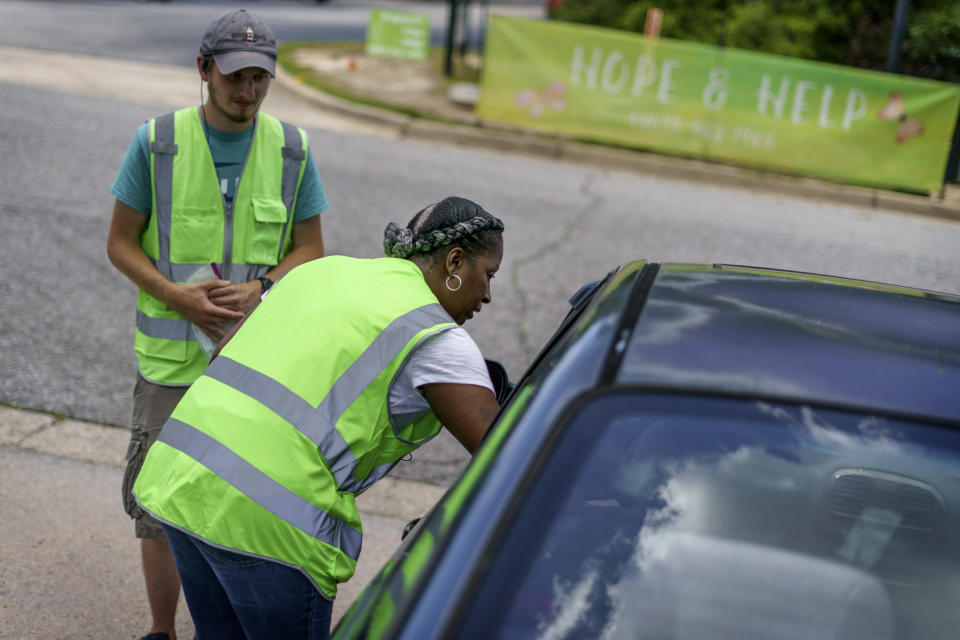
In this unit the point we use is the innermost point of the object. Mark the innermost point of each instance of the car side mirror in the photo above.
(583, 294)
(407, 528)
(502, 386)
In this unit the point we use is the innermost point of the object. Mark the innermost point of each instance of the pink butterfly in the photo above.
(896, 109)
(534, 101)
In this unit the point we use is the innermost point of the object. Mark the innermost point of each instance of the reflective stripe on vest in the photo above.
(261, 488)
(163, 148)
(166, 328)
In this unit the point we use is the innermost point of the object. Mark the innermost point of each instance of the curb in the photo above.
(946, 205)
(106, 445)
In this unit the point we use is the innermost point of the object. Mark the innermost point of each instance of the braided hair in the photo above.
(453, 221)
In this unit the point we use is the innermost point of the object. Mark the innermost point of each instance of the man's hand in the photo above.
(207, 304)
(193, 302)
(241, 297)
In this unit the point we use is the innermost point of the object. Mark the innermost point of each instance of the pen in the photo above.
(216, 272)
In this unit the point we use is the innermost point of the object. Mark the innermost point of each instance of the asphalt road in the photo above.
(66, 323)
(169, 32)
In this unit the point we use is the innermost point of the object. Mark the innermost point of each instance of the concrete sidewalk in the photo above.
(71, 566)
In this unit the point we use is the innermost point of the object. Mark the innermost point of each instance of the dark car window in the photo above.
(660, 516)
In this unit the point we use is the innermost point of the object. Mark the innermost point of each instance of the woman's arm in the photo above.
(466, 410)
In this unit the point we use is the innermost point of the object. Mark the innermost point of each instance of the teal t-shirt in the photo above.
(229, 149)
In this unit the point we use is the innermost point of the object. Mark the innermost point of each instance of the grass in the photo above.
(330, 84)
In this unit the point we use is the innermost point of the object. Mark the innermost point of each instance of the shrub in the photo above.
(855, 33)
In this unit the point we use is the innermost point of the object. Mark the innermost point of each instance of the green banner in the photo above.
(748, 108)
(398, 34)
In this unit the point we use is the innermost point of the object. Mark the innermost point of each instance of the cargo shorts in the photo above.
(152, 405)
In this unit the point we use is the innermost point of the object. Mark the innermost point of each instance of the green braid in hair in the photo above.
(403, 242)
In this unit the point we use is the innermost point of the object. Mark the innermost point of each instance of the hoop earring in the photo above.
(447, 282)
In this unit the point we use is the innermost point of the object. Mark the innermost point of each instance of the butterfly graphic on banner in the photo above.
(534, 101)
(896, 109)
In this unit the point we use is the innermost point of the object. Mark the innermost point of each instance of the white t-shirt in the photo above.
(451, 356)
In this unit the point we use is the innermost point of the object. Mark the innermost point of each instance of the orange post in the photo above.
(654, 19)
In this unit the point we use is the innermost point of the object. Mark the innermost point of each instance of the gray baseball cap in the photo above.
(239, 40)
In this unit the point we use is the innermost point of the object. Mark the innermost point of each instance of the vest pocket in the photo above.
(173, 350)
(269, 216)
(196, 234)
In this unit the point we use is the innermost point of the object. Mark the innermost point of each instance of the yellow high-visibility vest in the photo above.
(190, 227)
(269, 448)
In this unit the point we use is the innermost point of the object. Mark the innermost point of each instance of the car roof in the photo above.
(795, 336)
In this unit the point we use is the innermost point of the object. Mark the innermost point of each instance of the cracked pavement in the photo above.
(572, 214)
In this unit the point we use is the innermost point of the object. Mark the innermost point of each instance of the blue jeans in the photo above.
(234, 596)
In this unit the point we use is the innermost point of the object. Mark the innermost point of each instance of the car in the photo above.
(704, 451)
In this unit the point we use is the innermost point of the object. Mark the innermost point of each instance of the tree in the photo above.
(932, 48)
(855, 33)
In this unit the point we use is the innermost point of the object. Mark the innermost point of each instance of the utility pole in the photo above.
(896, 39)
(464, 28)
(451, 30)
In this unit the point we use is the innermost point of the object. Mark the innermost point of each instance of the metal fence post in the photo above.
(953, 161)
(451, 29)
(896, 38)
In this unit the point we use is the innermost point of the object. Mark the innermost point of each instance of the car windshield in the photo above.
(666, 516)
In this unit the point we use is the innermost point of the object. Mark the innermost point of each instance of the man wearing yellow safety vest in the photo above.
(345, 367)
(213, 204)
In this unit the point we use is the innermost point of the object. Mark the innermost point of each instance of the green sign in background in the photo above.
(398, 34)
(724, 104)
